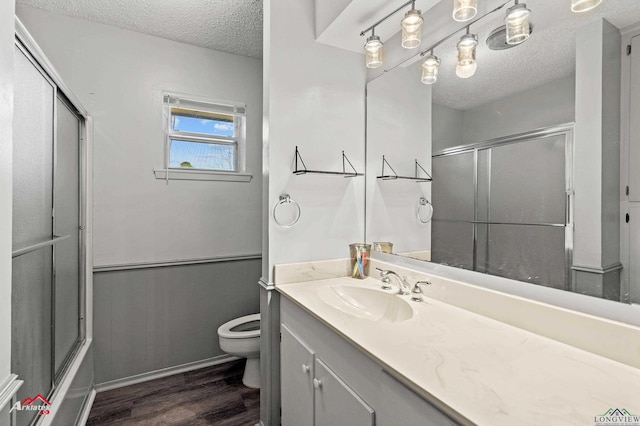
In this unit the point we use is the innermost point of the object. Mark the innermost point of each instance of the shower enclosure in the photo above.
(47, 281)
(503, 207)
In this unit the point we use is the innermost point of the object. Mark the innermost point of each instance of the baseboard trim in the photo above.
(86, 408)
(157, 374)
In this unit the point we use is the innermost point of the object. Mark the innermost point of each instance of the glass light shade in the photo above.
(467, 56)
(466, 71)
(373, 52)
(584, 5)
(517, 23)
(411, 29)
(464, 10)
(430, 68)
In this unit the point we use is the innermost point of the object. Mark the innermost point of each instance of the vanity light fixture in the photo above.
(467, 55)
(411, 28)
(430, 67)
(373, 50)
(517, 23)
(464, 10)
(578, 6)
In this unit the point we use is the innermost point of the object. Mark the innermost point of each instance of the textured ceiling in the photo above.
(549, 53)
(233, 26)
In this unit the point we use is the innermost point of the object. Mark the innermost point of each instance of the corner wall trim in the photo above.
(158, 374)
(598, 270)
(163, 264)
(265, 284)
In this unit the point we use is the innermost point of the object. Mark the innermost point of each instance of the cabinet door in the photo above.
(296, 377)
(336, 403)
(400, 405)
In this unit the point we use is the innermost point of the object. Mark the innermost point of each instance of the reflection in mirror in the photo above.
(524, 155)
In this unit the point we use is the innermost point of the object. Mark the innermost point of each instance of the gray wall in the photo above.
(6, 160)
(154, 318)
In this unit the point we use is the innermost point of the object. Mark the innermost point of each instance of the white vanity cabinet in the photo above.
(312, 394)
(327, 381)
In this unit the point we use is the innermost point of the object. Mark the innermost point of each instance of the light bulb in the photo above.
(464, 10)
(467, 56)
(373, 52)
(584, 5)
(430, 69)
(517, 24)
(411, 29)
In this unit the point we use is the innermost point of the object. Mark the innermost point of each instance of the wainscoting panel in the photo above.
(153, 318)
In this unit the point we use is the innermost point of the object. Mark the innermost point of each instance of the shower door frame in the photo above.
(563, 130)
(32, 52)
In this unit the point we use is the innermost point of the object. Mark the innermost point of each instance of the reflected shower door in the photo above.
(524, 191)
(503, 209)
(453, 213)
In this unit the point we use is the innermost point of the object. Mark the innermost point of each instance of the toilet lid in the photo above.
(226, 330)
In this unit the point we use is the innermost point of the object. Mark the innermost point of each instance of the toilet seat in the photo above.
(225, 330)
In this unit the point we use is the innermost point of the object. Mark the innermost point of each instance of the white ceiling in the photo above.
(233, 26)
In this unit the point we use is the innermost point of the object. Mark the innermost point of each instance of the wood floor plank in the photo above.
(208, 396)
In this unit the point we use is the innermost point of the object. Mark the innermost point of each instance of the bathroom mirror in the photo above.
(523, 187)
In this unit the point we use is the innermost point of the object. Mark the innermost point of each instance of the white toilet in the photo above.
(241, 337)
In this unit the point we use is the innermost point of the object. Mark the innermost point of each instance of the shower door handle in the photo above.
(55, 240)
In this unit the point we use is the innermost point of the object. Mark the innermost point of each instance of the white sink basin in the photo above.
(366, 303)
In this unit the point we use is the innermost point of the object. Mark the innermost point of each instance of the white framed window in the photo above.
(204, 139)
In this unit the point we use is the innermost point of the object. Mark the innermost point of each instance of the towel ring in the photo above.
(286, 199)
(425, 209)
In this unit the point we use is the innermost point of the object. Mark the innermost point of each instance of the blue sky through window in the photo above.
(203, 125)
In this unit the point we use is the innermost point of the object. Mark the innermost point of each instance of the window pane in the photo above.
(187, 154)
(206, 123)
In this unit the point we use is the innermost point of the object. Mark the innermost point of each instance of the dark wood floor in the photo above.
(209, 396)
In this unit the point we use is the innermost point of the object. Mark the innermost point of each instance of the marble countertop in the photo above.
(480, 370)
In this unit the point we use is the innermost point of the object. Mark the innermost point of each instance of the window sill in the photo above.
(178, 174)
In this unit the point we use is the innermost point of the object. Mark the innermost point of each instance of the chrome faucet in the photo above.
(404, 287)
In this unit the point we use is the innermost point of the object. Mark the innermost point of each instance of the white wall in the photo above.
(447, 127)
(7, 36)
(119, 77)
(548, 105)
(314, 95)
(398, 127)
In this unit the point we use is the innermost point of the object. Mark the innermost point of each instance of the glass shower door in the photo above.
(523, 209)
(31, 348)
(47, 284)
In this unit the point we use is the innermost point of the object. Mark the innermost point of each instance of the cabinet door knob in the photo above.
(305, 368)
(317, 383)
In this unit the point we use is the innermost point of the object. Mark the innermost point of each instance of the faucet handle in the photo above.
(416, 293)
